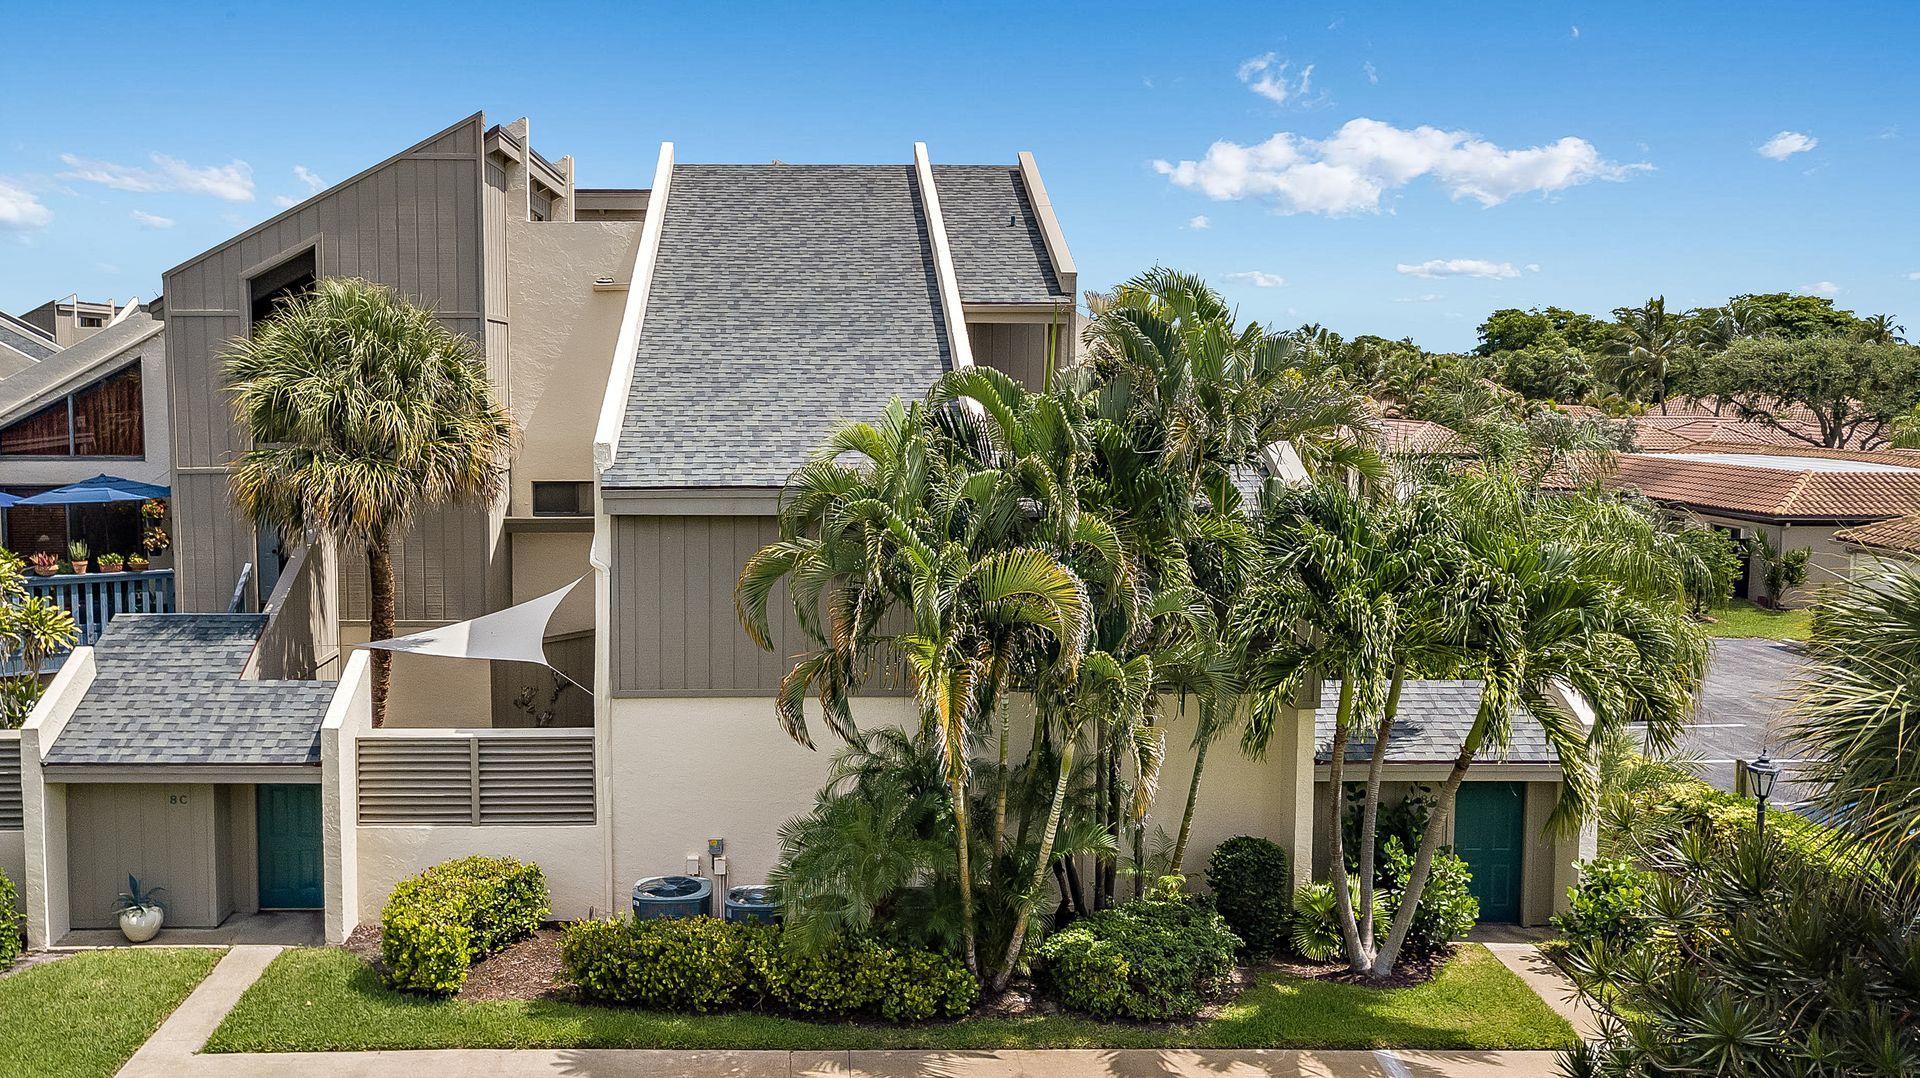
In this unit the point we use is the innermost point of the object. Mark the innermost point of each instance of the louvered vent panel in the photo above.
(543, 780)
(416, 781)
(11, 818)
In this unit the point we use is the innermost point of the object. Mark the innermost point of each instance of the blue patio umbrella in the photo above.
(98, 490)
(7, 501)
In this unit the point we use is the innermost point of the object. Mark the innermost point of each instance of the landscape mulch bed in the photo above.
(531, 969)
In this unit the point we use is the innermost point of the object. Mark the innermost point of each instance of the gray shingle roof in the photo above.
(167, 690)
(24, 339)
(999, 253)
(1433, 721)
(784, 298)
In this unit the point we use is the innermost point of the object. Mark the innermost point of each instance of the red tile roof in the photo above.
(1900, 534)
(1772, 492)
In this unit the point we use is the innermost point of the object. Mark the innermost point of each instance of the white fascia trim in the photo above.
(613, 406)
(955, 316)
(1050, 232)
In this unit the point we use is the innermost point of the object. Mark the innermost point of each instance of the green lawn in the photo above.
(85, 1014)
(1740, 618)
(320, 999)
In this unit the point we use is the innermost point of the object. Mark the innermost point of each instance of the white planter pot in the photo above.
(141, 925)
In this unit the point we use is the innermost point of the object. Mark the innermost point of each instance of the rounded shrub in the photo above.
(921, 984)
(1150, 959)
(437, 924)
(1252, 883)
(695, 964)
(840, 978)
(13, 923)
(1608, 905)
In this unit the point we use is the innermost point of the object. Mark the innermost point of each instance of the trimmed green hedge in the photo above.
(701, 964)
(436, 925)
(1149, 959)
(1252, 883)
(13, 923)
(1727, 817)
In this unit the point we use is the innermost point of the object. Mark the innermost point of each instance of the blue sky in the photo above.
(1438, 161)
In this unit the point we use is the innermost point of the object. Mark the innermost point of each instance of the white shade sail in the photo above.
(516, 634)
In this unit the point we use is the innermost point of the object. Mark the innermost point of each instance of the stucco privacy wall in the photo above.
(363, 862)
(689, 769)
(44, 804)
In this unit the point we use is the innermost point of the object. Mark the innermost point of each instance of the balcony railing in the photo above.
(96, 598)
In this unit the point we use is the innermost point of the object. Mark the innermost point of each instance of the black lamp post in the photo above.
(1761, 774)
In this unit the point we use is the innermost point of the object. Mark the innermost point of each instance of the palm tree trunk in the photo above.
(1370, 809)
(1002, 731)
(1193, 797)
(380, 621)
(1336, 839)
(957, 789)
(1114, 818)
(1100, 812)
(1429, 846)
(1040, 864)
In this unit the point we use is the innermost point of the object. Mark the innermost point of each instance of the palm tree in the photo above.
(882, 521)
(1346, 591)
(1858, 715)
(1714, 328)
(1880, 329)
(1195, 400)
(1648, 339)
(1556, 617)
(362, 410)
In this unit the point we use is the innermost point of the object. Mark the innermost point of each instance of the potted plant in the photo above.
(77, 553)
(138, 563)
(112, 563)
(140, 912)
(44, 564)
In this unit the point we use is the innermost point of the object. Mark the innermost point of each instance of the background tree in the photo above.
(362, 410)
(1854, 389)
(1793, 316)
(1648, 340)
(31, 628)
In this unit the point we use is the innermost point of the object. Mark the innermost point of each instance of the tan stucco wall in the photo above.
(684, 770)
(571, 858)
(428, 691)
(544, 561)
(1830, 562)
(563, 340)
(13, 861)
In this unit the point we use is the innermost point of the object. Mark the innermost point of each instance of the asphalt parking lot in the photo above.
(1743, 708)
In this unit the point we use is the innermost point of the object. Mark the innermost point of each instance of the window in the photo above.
(562, 499)
(539, 207)
(91, 321)
(104, 419)
(294, 277)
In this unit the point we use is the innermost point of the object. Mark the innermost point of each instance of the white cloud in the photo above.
(20, 211)
(305, 175)
(1199, 222)
(1349, 172)
(1576, 33)
(1373, 74)
(1424, 297)
(1914, 276)
(1258, 279)
(232, 182)
(285, 201)
(1458, 267)
(1822, 288)
(1786, 144)
(1533, 267)
(152, 220)
(1266, 75)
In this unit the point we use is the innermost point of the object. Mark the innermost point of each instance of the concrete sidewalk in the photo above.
(171, 1053)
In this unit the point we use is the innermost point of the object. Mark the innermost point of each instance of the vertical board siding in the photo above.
(674, 626)
(415, 224)
(161, 833)
(1016, 349)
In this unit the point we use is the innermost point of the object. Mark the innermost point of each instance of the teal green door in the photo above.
(289, 823)
(1488, 831)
